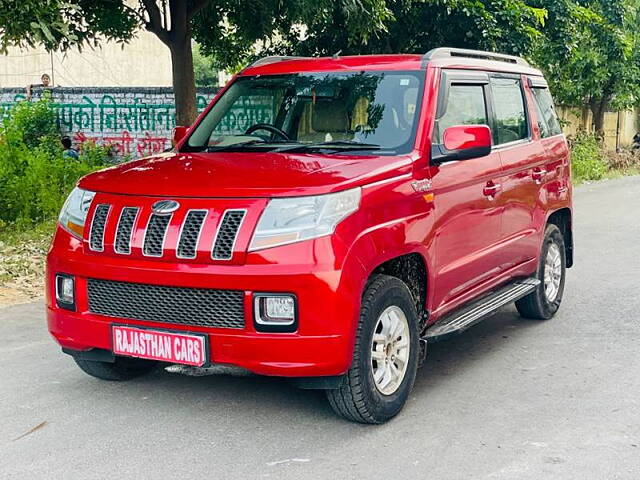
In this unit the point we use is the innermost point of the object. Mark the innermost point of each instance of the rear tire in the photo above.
(123, 368)
(377, 385)
(544, 301)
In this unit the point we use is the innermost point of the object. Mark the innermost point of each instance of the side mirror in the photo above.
(179, 133)
(463, 142)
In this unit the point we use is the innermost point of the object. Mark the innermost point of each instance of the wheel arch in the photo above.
(562, 219)
(411, 269)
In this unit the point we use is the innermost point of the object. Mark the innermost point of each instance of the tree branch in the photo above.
(195, 6)
(135, 13)
(154, 25)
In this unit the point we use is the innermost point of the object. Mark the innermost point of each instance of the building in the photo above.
(144, 61)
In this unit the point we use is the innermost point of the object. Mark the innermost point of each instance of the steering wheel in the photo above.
(269, 128)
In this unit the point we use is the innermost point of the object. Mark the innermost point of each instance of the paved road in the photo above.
(510, 399)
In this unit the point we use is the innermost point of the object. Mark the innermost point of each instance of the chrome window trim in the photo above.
(164, 236)
(133, 224)
(93, 219)
(206, 213)
(515, 143)
(235, 238)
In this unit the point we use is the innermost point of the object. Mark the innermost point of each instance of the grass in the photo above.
(609, 174)
(621, 172)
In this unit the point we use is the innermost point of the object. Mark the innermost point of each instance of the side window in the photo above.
(546, 113)
(510, 118)
(465, 106)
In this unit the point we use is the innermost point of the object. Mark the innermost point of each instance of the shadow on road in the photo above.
(266, 396)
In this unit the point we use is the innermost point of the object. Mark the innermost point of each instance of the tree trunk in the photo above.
(598, 109)
(184, 84)
(178, 39)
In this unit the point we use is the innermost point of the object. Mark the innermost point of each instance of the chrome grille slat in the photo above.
(227, 234)
(190, 233)
(178, 305)
(96, 234)
(122, 244)
(155, 234)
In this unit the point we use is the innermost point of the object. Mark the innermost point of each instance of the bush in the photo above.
(32, 122)
(587, 158)
(34, 177)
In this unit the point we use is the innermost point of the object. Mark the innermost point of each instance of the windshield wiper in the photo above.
(234, 145)
(332, 145)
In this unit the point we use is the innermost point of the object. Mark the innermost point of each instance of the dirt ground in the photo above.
(22, 271)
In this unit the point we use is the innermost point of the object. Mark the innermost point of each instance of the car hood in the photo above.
(242, 174)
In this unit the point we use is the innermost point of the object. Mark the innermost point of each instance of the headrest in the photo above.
(329, 116)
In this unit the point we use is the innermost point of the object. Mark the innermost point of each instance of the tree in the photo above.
(590, 54)
(204, 69)
(268, 27)
(399, 26)
(59, 24)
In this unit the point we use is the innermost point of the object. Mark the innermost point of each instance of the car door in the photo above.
(523, 159)
(466, 197)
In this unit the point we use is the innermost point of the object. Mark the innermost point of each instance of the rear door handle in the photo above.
(491, 189)
(538, 174)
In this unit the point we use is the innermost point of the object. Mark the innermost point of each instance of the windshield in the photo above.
(358, 112)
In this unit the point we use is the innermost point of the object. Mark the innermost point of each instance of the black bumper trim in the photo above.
(94, 355)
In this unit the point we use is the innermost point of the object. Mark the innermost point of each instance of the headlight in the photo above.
(288, 220)
(74, 211)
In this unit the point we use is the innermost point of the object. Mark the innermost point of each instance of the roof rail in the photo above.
(273, 59)
(478, 54)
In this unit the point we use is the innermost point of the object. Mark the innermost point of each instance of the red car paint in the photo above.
(467, 137)
(476, 224)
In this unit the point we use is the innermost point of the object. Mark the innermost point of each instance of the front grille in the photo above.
(125, 227)
(96, 235)
(154, 237)
(130, 229)
(227, 233)
(190, 233)
(178, 305)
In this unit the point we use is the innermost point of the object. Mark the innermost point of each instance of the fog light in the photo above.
(281, 308)
(275, 310)
(65, 292)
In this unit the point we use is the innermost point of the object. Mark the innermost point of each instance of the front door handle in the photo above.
(538, 174)
(491, 189)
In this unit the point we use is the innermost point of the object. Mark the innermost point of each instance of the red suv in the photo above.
(324, 219)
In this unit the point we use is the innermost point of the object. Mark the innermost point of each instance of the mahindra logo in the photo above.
(164, 207)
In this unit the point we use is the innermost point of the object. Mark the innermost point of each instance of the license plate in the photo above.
(165, 346)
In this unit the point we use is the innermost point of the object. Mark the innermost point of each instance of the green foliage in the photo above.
(59, 24)
(97, 156)
(204, 69)
(590, 52)
(587, 159)
(31, 123)
(34, 177)
(236, 32)
(325, 27)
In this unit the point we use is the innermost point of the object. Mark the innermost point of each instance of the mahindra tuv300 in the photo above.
(325, 220)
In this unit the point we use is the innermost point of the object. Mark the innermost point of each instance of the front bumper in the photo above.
(328, 303)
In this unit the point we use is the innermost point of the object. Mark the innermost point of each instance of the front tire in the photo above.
(122, 369)
(385, 357)
(544, 301)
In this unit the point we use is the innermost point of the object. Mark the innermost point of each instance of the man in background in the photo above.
(69, 151)
(45, 80)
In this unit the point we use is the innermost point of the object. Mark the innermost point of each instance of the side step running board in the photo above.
(467, 316)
